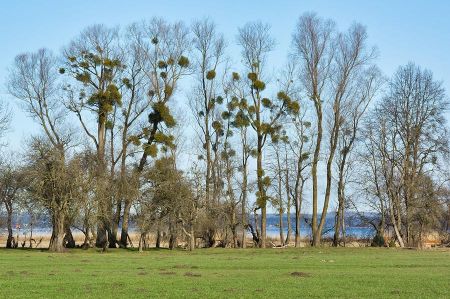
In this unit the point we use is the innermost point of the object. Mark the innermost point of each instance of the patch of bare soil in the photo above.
(167, 273)
(190, 274)
(185, 267)
(300, 274)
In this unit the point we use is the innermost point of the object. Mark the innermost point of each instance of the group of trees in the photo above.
(112, 146)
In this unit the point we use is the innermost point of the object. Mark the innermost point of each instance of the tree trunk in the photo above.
(68, 238)
(102, 235)
(340, 194)
(297, 221)
(288, 198)
(288, 223)
(125, 223)
(337, 225)
(258, 234)
(343, 226)
(57, 238)
(263, 226)
(172, 237)
(316, 240)
(142, 244)
(280, 223)
(208, 161)
(262, 200)
(396, 229)
(172, 240)
(243, 206)
(158, 239)
(86, 242)
(9, 241)
(104, 207)
(116, 222)
(191, 238)
(333, 145)
(234, 226)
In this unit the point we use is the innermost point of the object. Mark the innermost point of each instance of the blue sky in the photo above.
(403, 31)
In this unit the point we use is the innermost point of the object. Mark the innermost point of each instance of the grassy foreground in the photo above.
(306, 272)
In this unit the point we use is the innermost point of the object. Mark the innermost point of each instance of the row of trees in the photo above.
(111, 149)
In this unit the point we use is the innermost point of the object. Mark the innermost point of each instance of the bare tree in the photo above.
(33, 80)
(367, 85)
(11, 183)
(209, 46)
(312, 44)
(300, 147)
(331, 61)
(411, 141)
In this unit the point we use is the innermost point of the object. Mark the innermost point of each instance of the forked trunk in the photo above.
(142, 242)
(125, 222)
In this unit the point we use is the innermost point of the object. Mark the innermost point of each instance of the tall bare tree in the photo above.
(331, 62)
(367, 85)
(33, 80)
(209, 46)
(312, 44)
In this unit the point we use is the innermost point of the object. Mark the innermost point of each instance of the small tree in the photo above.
(12, 181)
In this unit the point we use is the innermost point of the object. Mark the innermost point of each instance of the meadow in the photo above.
(226, 273)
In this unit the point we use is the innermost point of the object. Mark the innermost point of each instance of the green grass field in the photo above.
(221, 273)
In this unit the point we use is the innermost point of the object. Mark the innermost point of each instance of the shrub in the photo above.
(378, 241)
(392, 243)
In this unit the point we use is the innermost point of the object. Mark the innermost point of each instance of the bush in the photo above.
(392, 243)
(378, 241)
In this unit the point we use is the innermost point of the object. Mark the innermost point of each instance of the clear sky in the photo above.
(403, 31)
